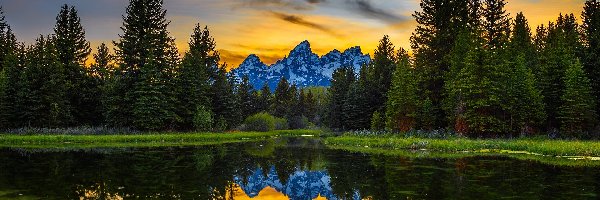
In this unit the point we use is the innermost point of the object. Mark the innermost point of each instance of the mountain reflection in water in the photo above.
(301, 184)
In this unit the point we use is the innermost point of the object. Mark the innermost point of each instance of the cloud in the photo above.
(294, 5)
(367, 9)
(302, 22)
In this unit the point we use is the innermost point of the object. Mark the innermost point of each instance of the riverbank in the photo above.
(558, 152)
(531, 146)
(142, 140)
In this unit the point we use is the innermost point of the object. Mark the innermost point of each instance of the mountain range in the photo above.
(300, 185)
(301, 67)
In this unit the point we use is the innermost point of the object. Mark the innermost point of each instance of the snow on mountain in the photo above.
(300, 185)
(301, 67)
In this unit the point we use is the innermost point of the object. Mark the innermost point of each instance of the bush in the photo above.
(264, 122)
(203, 119)
(298, 122)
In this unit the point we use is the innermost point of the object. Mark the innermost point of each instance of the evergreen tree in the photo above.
(380, 74)
(10, 85)
(310, 106)
(95, 81)
(145, 34)
(340, 85)
(356, 115)
(403, 99)
(577, 113)
(245, 95)
(496, 24)
(523, 101)
(521, 42)
(73, 50)
(149, 112)
(8, 41)
(591, 38)
(44, 89)
(103, 67)
(438, 24)
(556, 53)
(264, 100)
(224, 101)
(281, 99)
(195, 74)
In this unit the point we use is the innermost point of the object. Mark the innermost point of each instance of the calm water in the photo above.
(279, 169)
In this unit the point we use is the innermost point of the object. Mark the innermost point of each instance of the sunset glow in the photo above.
(269, 29)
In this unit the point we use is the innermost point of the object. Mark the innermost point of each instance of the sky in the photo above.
(267, 28)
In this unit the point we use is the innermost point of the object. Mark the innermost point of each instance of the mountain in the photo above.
(301, 67)
(301, 184)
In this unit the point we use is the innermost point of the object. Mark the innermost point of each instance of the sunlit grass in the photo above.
(536, 146)
(141, 140)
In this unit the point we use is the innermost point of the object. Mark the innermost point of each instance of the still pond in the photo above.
(284, 168)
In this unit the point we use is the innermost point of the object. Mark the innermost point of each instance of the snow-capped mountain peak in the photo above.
(301, 67)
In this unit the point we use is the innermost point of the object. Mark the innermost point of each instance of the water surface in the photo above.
(290, 168)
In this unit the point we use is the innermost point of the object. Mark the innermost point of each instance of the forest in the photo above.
(472, 70)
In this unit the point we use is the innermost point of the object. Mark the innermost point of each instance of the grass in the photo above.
(533, 146)
(139, 140)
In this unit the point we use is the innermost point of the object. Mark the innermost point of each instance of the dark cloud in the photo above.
(366, 8)
(301, 21)
(261, 4)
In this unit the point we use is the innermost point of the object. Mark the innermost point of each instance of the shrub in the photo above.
(264, 122)
(203, 119)
(298, 122)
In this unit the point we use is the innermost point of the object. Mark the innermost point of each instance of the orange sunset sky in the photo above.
(268, 28)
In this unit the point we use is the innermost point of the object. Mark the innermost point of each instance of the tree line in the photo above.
(480, 73)
(473, 69)
(144, 84)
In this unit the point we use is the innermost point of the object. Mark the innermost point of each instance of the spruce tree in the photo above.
(148, 108)
(245, 93)
(521, 42)
(10, 85)
(103, 67)
(496, 24)
(145, 35)
(96, 81)
(194, 75)
(591, 38)
(403, 99)
(523, 100)
(264, 100)
(438, 24)
(44, 89)
(8, 41)
(380, 74)
(355, 115)
(281, 99)
(577, 112)
(73, 50)
(224, 101)
(340, 85)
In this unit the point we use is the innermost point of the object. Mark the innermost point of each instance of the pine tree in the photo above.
(523, 101)
(556, 53)
(10, 85)
(521, 42)
(95, 81)
(73, 51)
(195, 74)
(44, 87)
(265, 98)
(224, 101)
(103, 67)
(356, 115)
(245, 95)
(577, 113)
(148, 109)
(145, 34)
(439, 22)
(496, 24)
(340, 85)
(8, 41)
(591, 38)
(403, 99)
(380, 74)
(281, 99)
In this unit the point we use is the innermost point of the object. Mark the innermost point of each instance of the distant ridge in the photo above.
(301, 67)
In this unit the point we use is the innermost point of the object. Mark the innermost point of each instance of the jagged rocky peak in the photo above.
(252, 60)
(301, 66)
